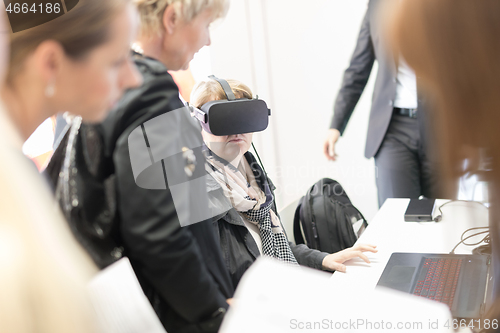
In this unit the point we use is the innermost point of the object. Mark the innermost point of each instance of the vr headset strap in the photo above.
(227, 89)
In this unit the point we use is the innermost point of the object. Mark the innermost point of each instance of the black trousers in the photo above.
(404, 166)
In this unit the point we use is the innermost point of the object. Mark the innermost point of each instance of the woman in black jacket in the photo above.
(115, 212)
(251, 226)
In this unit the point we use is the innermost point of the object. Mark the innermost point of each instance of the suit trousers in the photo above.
(404, 168)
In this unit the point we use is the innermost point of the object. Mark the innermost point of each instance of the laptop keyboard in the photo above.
(440, 281)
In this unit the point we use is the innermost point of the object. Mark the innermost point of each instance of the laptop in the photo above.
(463, 282)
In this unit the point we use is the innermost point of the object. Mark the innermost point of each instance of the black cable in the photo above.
(485, 239)
(440, 216)
(262, 165)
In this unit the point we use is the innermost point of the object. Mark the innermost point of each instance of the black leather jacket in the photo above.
(180, 268)
(238, 246)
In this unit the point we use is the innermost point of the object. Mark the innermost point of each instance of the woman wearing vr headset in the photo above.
(251, 226)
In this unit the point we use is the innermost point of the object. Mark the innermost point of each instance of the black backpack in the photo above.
(326, 216)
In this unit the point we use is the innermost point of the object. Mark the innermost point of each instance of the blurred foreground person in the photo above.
(453, 46)
(77, 62)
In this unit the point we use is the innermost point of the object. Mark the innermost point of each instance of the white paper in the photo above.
(119, 302)
(356, 226)
(275, 298)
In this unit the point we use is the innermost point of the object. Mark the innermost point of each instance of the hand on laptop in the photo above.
(335, 261)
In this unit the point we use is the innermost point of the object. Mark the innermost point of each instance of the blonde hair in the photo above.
(211, 90)
(151, 11)
(78, 31)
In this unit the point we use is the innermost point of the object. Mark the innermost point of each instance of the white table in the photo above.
(391, 233)
(310, 296)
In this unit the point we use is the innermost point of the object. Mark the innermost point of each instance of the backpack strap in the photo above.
(306, 217)
(297, 233)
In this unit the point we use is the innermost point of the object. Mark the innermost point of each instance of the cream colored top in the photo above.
(43, 269)
(254, 231)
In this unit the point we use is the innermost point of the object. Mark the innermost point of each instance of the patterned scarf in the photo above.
(253, 203)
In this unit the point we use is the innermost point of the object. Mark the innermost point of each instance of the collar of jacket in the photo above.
(258, 173)
(231, 216)
(134, 107)
(215, 194)
(149, 64)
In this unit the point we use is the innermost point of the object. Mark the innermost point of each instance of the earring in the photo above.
(50, 90)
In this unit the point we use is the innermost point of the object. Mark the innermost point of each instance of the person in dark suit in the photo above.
(397, 127)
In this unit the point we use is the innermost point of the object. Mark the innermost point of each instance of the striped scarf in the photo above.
(253, 203)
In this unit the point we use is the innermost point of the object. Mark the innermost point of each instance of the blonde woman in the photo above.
(78, 62)
(252, 227)
(179, 268)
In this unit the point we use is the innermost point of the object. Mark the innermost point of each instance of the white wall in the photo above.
(293, 54)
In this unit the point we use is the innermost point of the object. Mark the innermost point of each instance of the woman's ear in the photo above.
(48, 58)
(170, 18)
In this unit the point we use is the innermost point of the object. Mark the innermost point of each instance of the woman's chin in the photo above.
(241, 146)
(230, 153)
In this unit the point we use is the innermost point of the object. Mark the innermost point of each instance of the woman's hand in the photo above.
(335, 261)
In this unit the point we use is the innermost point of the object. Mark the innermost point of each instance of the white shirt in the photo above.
(254, 231)
(406, 90)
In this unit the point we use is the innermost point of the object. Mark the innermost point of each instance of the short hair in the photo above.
(151, 11)
(211, 90)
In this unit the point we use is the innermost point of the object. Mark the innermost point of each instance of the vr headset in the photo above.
(232, 116)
